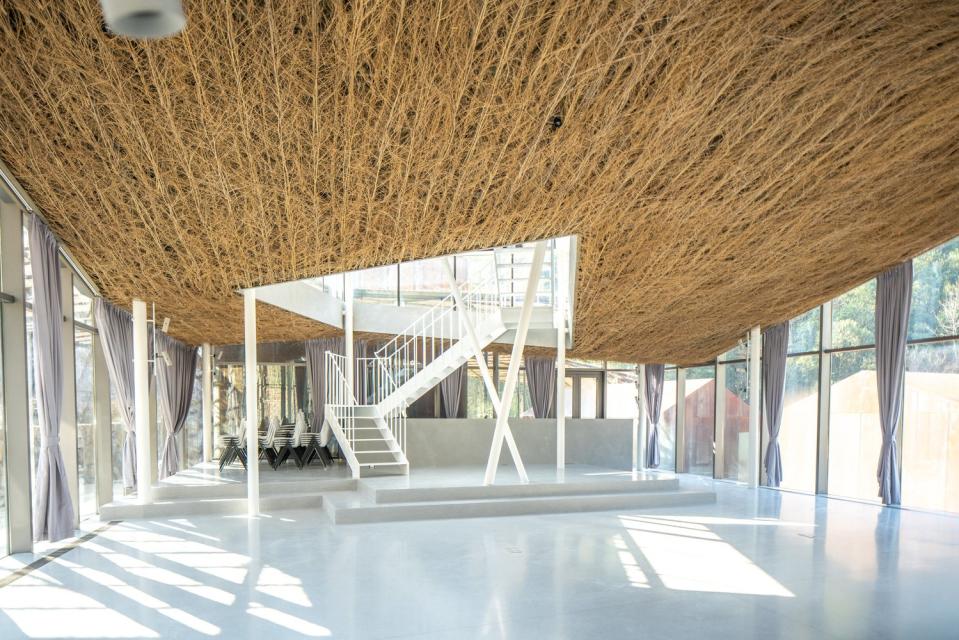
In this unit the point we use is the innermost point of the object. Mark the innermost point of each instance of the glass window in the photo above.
(854, 317)
(738, 352)
(621, 394)
(86, 421)
(667, 423)
(376, 285)
(798, 432)
(118, 436)
(625, 366)
(229, 405)
(588, 397)
(735, 423)
(522, 404)
(192, 434)
(478, 403)
(700, 419)
(854, 434)
(804, 332)
(82, 307)
(935, 293)
(423, 282)
(576, 363)
(930, 433)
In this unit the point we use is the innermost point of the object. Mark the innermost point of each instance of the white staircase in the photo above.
(367, 411)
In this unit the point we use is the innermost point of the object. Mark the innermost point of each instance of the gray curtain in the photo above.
(53, 514)
(115, 327)
(541, 378)
(655, 376)
(775, 343)
(174, 393)
(451, 390)
(316, 361)
(893, 298)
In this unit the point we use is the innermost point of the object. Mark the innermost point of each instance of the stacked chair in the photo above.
(280, 442)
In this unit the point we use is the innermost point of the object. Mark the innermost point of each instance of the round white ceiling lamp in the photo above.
(144, 18)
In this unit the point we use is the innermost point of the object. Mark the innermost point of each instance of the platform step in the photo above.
(355, 512)
(532, 490)
(210, 506)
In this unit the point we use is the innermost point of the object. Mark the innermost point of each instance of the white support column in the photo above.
(512, 374)
(252, 441)
(348, 332)
(68, 406)
(561, 392)
(16, 418)
(207, 402)
(755, 349)
(141, 401)
(640, 437)
(498, 408)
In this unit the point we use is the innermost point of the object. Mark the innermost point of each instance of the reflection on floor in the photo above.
(756, 564)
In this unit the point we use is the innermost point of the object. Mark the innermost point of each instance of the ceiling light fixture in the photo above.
(148, 19)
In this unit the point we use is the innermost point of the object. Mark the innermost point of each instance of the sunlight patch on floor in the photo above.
(687, 556)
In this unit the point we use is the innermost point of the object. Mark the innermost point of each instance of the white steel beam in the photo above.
(141, 401)
(561, 392)
(498, 408)
(252, 441)
(512, 373)
(207, 401)
(755, 346)
(348, 335)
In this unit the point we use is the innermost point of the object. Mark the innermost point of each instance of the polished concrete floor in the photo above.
(756, 564)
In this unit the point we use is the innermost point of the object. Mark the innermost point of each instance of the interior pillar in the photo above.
(207, 402)
(15, 395)
(141, 401)
(755, 346)
(252, 441)
(640, 437)
(348, 333)
(561, 393)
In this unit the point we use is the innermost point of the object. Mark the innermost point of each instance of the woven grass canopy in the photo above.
(724, 164)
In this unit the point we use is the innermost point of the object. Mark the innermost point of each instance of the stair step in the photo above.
(351, 513)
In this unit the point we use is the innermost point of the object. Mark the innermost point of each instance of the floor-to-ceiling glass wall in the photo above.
(735, 404)
(699, 419)
(86, 423)
(930, 429)
(667, 422)
(854, 433)
(798, 431)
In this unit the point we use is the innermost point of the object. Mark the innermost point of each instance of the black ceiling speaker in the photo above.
(148, 19)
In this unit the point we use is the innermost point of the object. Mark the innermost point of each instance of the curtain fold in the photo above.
(655, 376)
(775, 345)
(115, 328)
(541, 379)
(316, 360)
(893, 299)
(451, 390)
(53, 514)
(174, 393)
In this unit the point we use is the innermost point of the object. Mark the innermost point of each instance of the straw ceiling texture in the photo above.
(725, 164)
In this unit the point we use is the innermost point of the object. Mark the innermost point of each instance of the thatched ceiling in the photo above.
(725, 163)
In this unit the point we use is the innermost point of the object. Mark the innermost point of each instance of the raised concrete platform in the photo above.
(459, 493)
(205, 490)
(426, 494)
